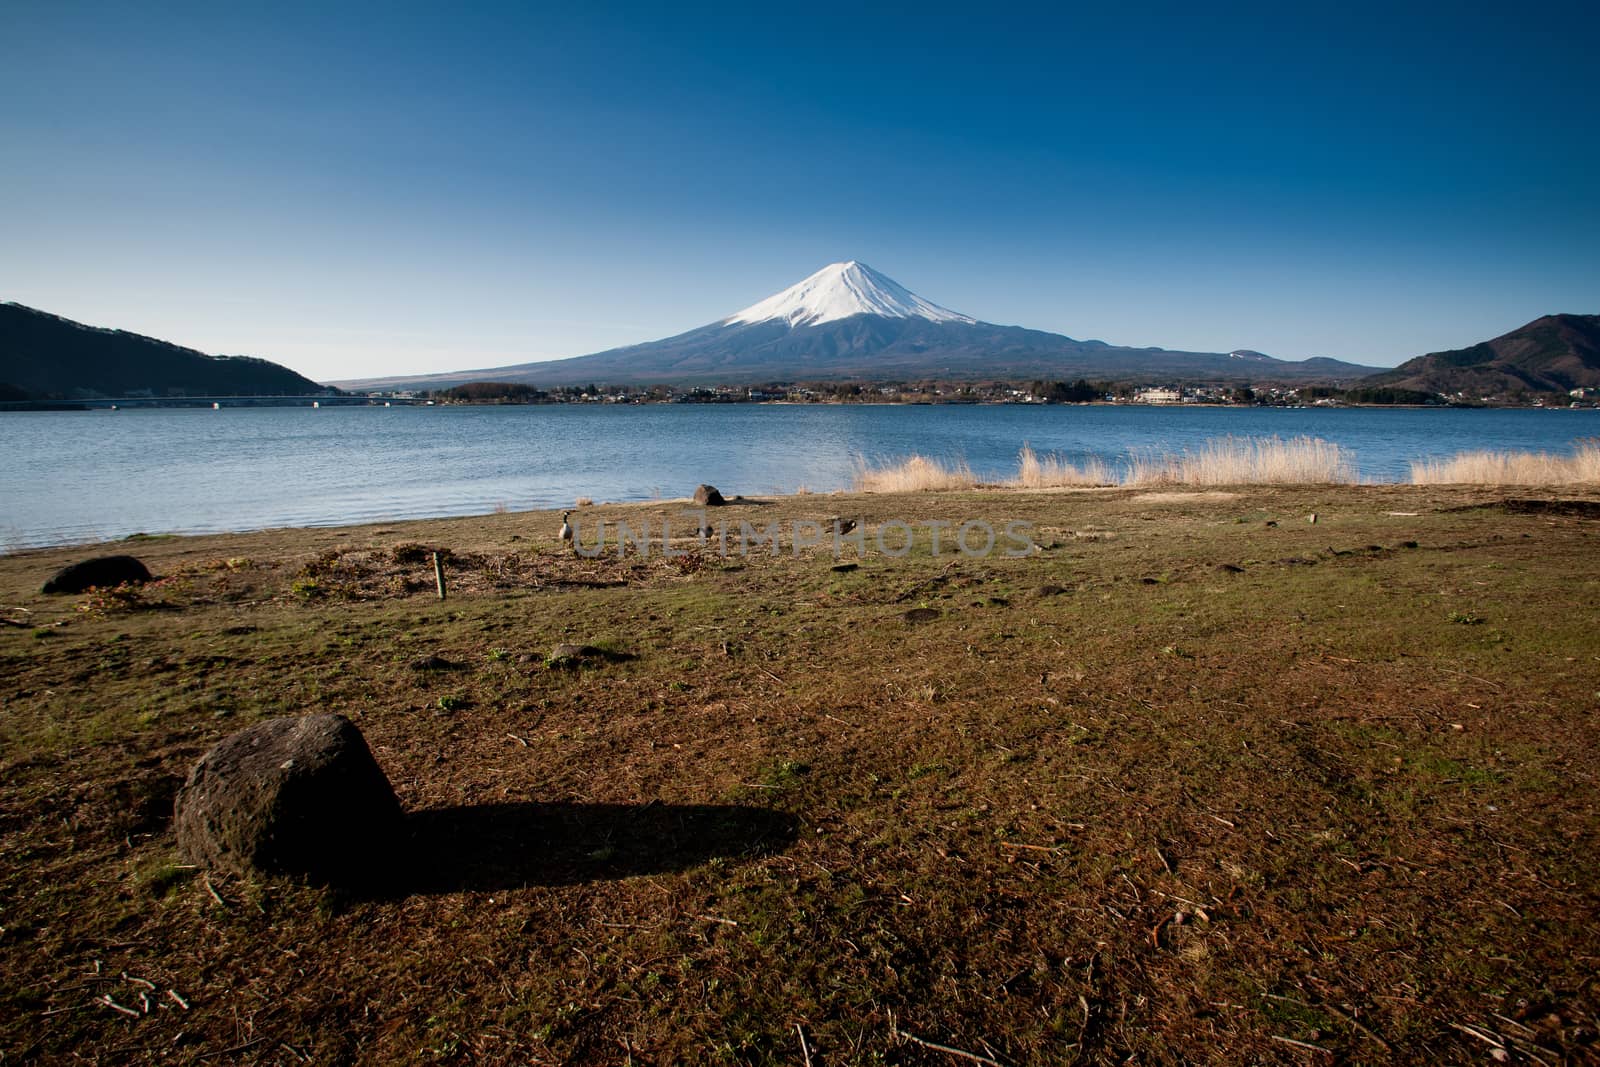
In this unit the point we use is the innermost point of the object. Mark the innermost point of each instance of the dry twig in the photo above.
(948, 1050)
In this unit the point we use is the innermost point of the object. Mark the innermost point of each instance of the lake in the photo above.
(69, 477)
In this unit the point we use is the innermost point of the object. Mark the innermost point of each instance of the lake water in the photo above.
(68, 477)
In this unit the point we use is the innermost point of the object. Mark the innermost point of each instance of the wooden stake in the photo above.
(438, 574)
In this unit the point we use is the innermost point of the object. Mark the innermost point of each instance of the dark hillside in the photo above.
(47, 357)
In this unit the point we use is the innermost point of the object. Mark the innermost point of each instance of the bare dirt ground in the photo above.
(1200, 781)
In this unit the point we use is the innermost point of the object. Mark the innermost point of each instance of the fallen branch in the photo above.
(948, 1050)
(805, 1052)
(106, 1001)
(1302, 1044)
(1482, 1035)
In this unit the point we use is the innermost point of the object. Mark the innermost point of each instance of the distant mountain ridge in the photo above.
(1553, 353)
(850, 321)
(47, 357)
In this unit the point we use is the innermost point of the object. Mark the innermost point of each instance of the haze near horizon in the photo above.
(390, 190)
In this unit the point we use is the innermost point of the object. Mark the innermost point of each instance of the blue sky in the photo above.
(397, 189)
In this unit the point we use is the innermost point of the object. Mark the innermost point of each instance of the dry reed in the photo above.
(1246, 461)
(1220, 461)
(1512, 468)
(1053, 471)
(911, 475)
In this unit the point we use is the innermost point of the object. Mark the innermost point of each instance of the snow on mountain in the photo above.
(847, 321)
(839, 291)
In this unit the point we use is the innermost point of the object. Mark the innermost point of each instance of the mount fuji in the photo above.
(849, 321)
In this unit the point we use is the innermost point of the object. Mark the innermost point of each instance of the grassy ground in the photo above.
(1202, 781)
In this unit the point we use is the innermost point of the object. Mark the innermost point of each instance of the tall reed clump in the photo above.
(1246, 461)
(1053, 471)
(1512, 468)
(912, 474)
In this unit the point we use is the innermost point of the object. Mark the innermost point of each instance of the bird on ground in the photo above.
(844, 526)
(566, 527)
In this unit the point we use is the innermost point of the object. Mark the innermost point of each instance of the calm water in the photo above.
(81, 476)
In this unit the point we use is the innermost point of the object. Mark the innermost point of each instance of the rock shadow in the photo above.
(511, 846)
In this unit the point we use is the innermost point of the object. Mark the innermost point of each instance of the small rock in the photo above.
(844, 568)
(1408, 544)
(1229, 568)
(295, 796)
(1048, 591)
(572, 655)
(102, 572)
(707, 496)
(435, 663)
(916, 615)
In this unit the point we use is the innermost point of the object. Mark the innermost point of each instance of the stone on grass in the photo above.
(575, 655)
(102, 572)
(707, 496)
(571, 655)
(298, 796)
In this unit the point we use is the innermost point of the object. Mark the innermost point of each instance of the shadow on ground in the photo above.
(509, 846)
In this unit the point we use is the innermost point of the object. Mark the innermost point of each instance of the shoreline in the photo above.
(821, 503)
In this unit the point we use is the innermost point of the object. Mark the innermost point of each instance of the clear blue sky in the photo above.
(392, 189)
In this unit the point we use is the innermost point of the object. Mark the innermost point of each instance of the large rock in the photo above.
(300, 797)
(101, 572)
(707, 496)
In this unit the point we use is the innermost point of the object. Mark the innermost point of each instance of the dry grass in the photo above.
(1246, 461)
(1220, 461)
(1054, 471)
(914, 474)
(1193, 784)
(1512, 468)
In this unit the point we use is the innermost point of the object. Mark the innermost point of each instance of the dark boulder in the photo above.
(102, 572)
(707, 496)
(300, 797)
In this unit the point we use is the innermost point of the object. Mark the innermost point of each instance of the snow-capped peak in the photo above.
(839, 291)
